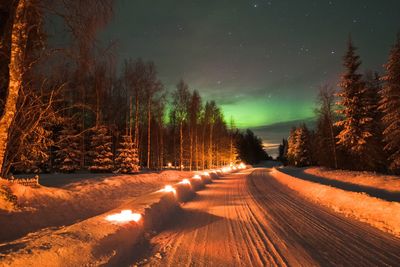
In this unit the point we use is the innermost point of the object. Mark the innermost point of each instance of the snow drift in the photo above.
(384, 215)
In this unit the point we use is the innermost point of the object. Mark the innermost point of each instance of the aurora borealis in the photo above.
(262, 61)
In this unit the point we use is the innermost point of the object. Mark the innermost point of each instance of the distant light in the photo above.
(124, 216)
(169, 164)
(185, 181)
(196, 176)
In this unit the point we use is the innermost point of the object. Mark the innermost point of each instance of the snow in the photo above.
(49, 207)
(389, 183)
(384, 215)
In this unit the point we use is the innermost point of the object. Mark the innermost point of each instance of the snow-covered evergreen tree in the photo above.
(101, 151)
(390, 106)
(68, 153)
(373, 156)
(299, 147)
(355, 133)
(127, 160)
(283, 151)
(303, 147)
(291, 150)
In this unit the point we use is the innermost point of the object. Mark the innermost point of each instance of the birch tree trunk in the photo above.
(19, 39)
(181, 146)
(137, 123)
(148, 131)
(210, 157)
(190, 148)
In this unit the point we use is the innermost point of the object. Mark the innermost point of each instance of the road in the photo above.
(249, 219)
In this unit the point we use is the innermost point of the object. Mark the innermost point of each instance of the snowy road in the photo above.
(249, 219)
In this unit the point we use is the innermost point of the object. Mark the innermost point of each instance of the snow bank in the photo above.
(49, 207)
(381, 214)
(96, 241)
(389, 183)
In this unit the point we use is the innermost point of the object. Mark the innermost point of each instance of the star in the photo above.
(255, 5)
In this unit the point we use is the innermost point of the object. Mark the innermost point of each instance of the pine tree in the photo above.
(127, 160)
(373, 156)
(299, 147)
(283, 151)
(68, 153)
(292, 146)
(354, 133)
(390, 106)
(101, 150)
(303, 147)
(325, 152)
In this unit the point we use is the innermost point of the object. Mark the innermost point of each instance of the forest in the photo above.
(65, 106)
(358, 126)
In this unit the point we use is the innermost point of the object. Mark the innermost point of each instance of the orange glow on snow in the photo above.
(169, 189)
(196, 176)
(124, 216)
(226, 169)
(242, 166)
(206, 174)
(185, 181)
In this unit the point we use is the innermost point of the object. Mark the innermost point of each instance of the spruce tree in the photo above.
(354, 133)
(390, 106)
(101, 152)
(127, 160)
(373, 156)
(325, 143)
(291, 151)
(303, 147)
(283, 151)
(68, 153)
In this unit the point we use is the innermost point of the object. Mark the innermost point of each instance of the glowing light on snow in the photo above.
(226, 169)
(185, 181)
(124, 216)
(196, 176)
(169, 189)
(169, 164)
(206, 174)
(242, 166)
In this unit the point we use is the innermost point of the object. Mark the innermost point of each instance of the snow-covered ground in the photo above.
(389, 183)
(52, 207)
(318, 188)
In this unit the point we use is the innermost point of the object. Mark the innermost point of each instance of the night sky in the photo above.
(262, 61)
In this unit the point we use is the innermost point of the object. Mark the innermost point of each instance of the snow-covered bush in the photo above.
(68, 153)
(127, 160)
(101, 152)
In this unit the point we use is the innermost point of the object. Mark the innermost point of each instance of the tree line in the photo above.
(65, 108)
(358, 127)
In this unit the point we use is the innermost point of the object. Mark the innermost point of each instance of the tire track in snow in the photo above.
(250, 219)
